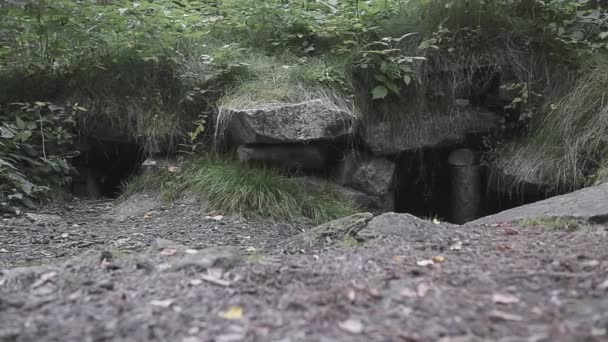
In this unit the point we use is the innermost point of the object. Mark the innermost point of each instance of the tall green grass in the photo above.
(568, 146)
(231, 188)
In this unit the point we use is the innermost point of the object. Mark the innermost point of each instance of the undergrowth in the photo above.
(567, 148)
(231, 188)
(163, 70)
(554, 223)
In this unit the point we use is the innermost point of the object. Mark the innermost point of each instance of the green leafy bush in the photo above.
(35, 140)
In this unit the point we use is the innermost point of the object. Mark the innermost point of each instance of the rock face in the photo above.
(361, 199)
(590, 204)
(286, 156)
(404, 225)
(372, 175)
(313, 120)
(394, 224)
(436, 131)
(329, 233)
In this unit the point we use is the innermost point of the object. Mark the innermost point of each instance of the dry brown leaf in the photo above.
(233, 313)
(500, 298)
(510, 231)
(438, 259)
(352, 326)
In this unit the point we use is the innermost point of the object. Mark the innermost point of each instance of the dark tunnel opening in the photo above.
(104, 166)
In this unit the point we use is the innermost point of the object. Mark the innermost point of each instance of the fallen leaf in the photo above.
(603, 285)
(165, 303)
(351, 295)
(500, 298)
(438, 259)
(195, 282)
(352, 326)
(148, 215)
(43, 279)
(425, 262)
(590, 263)
(215, 281)
(168, 252)
(374, 292)
(422, 289)
(408, 293)
(497, 315)
(456, 247)
(75, 295)
(233, 312)
(510, 231)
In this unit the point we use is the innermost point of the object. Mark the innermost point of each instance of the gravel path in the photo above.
(97, 272)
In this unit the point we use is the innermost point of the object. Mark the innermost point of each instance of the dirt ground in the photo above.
(97, 271)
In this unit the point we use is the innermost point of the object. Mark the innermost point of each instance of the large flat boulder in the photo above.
(407, 226)
(589, 204)
(314, 120)
(286, 156)
(385, 138)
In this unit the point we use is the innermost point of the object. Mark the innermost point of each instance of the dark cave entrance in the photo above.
(425, 183)
(422, 183)
(104, 166)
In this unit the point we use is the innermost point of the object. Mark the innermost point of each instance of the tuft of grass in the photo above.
(231, 188)
(567, 148)
(554, 223)
(160, 182)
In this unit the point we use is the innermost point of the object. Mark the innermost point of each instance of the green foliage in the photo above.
(160, 69)
(566, 148)
(229, 187)
(35, 140)
(554, 223)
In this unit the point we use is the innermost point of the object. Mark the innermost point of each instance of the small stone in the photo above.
(352, 326)
(106, 285)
